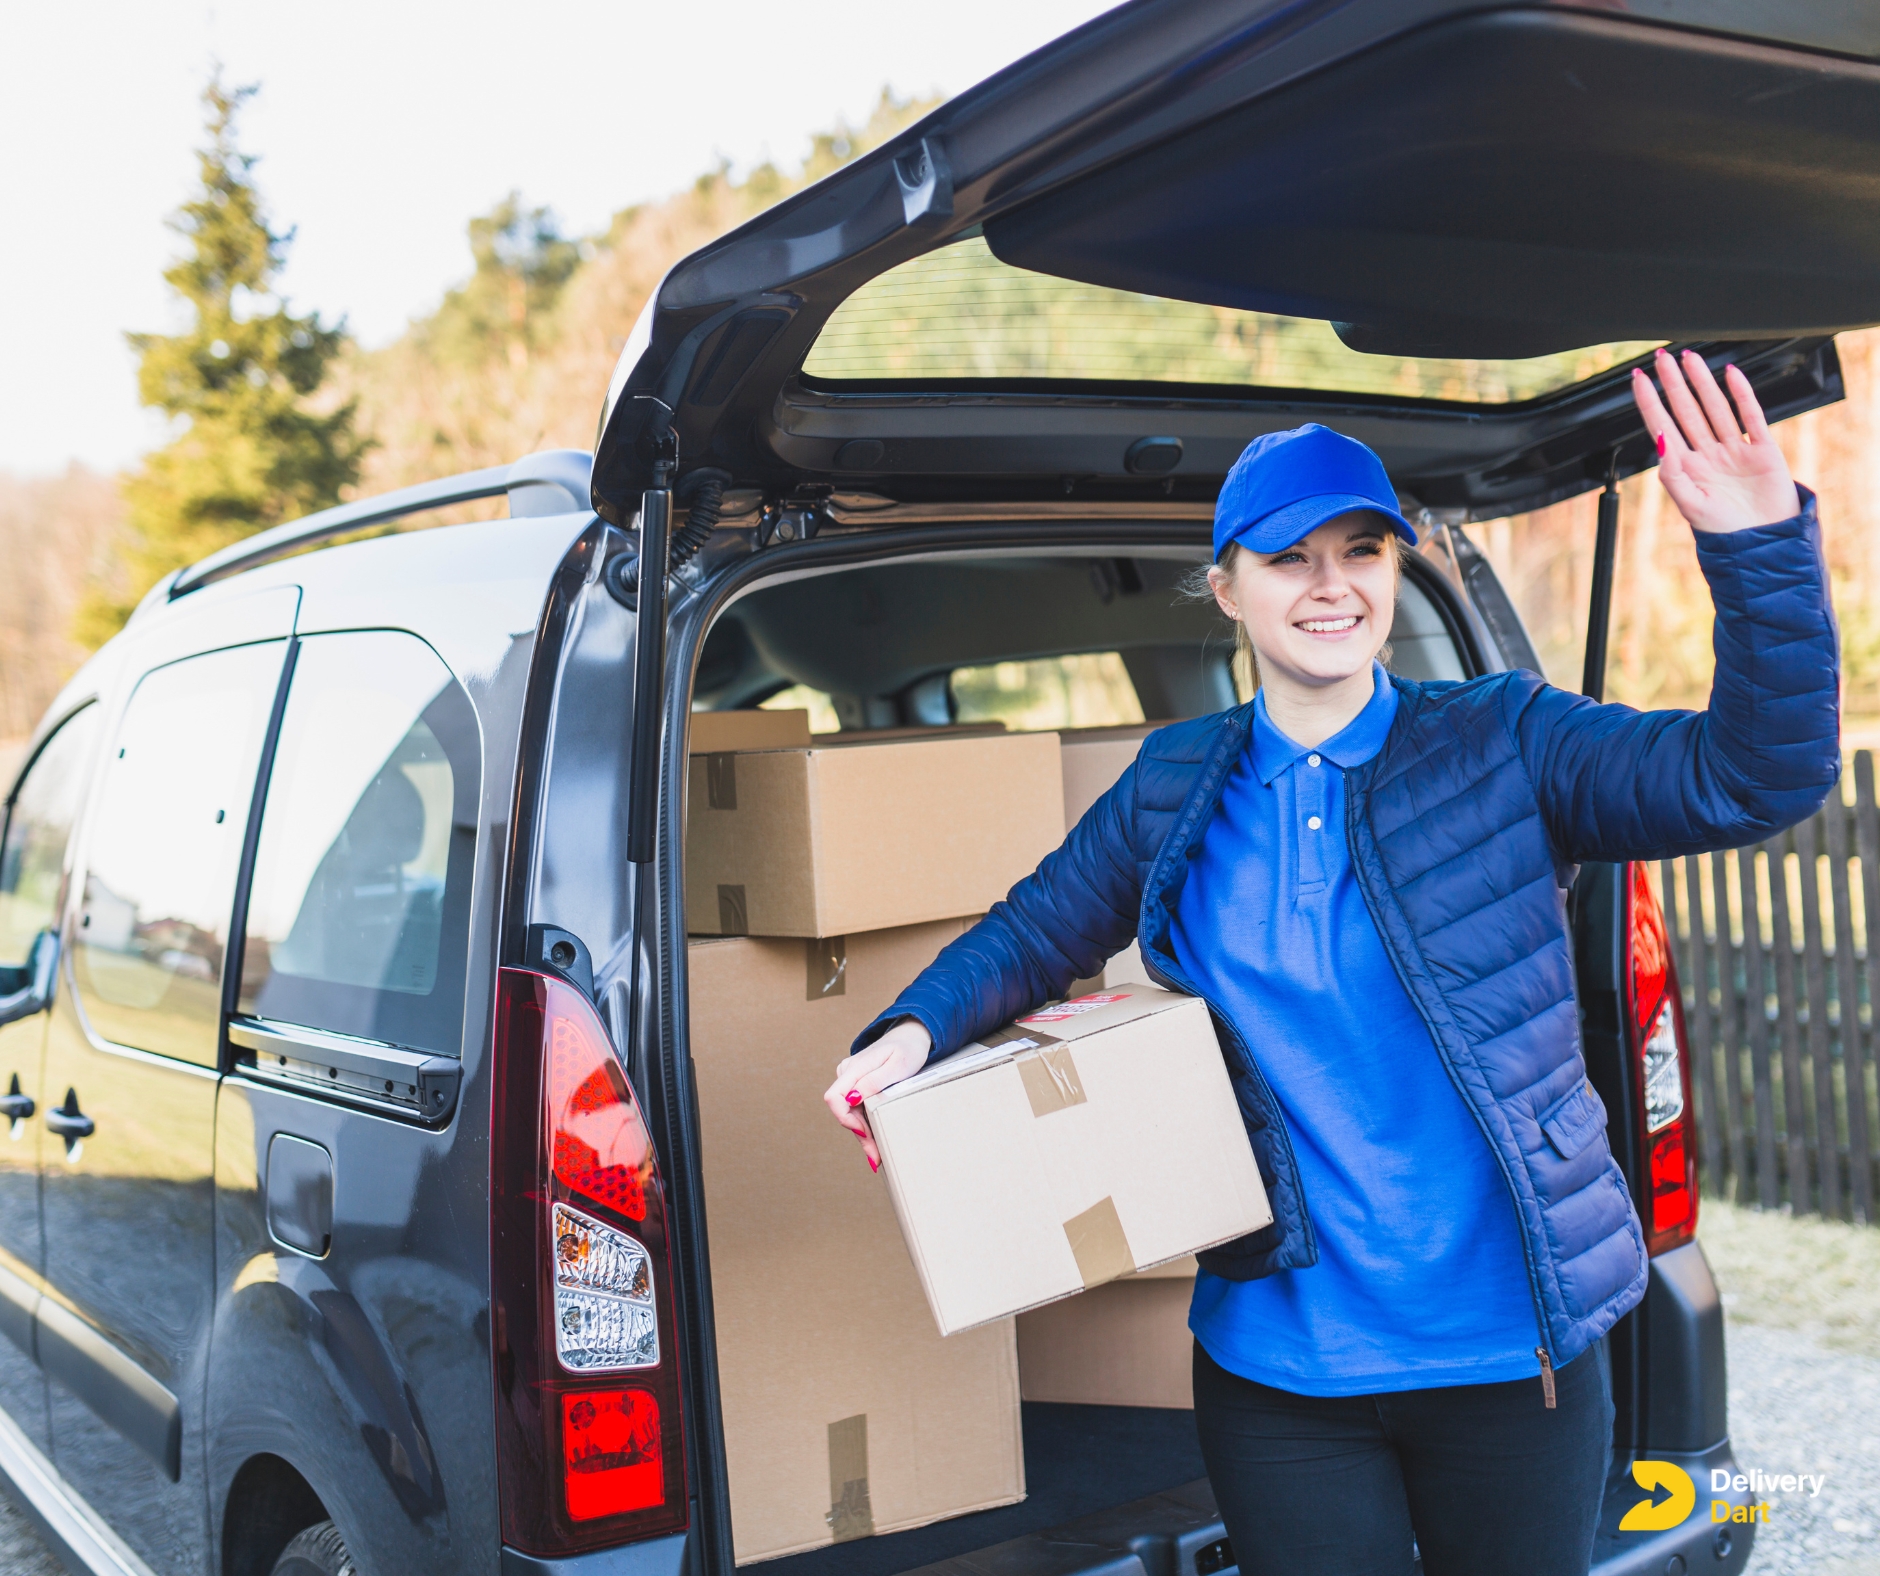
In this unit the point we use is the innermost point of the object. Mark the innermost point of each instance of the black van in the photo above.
(315, 871)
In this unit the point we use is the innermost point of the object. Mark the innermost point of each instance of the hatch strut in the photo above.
(649, 653)
(1599, 614)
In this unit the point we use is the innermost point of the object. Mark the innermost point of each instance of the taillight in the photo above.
(590, 1449)
(1661, 1072)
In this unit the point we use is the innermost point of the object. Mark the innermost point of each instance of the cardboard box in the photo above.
(713, 731)
(1090, 1139)
(840, 838)
(1124, 1344)
(845, 1412)
(1093, 759)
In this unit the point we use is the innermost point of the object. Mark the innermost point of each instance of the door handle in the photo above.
(14, 1106)
(69, 1122)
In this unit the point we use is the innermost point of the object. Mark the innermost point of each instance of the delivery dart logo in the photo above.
(1654, 1514)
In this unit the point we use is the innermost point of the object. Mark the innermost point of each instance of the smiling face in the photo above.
(1319, 611)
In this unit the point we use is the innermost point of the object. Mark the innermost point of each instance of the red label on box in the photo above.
(1070, 1009)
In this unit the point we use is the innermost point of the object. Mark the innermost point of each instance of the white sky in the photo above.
(382, 128)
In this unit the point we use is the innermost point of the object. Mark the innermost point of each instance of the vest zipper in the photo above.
(1547, 1375)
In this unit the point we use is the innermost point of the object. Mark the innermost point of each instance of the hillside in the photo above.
(495, 373)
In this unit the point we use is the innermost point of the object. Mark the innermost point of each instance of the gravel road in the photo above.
(1802, 1300)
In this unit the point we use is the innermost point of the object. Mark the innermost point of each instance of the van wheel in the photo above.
(319, 1551)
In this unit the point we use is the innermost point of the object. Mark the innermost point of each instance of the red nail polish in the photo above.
(1661, 445)
(854, 1096)
(874, 1165)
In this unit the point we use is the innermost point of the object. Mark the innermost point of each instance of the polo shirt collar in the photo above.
(1352, 745)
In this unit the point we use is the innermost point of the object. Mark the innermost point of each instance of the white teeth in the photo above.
(1328, 626)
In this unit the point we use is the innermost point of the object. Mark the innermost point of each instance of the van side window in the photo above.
(38, 824)
(163, 849)
(359, 912)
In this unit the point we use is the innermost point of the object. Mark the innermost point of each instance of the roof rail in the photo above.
(554, 481)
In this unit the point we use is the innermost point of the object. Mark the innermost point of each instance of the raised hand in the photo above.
(1721, 467)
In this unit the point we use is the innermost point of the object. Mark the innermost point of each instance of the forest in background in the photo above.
(517, 358)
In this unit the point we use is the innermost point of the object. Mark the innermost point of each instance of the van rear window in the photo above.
(1087, 690)
(958, 314)
(359, 911)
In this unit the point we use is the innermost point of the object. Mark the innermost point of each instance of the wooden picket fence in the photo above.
(1778, 952)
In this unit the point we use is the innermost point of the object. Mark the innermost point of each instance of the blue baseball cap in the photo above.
(1285, 485)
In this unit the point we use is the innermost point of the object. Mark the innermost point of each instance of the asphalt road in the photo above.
(1802, 1300)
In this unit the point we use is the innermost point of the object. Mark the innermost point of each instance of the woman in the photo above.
(1365, 878)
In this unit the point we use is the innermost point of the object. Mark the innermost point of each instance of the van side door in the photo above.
(38, 821)
(132, 1061)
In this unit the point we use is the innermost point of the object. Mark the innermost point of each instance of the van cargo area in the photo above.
(969, 711)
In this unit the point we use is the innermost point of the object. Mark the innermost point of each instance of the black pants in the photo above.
(1485, 1477)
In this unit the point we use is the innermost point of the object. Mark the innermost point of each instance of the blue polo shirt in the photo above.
(1420, 1279)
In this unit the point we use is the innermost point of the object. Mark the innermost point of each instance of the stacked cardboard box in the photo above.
(845, 1411)
(830, 873)
(839, 837)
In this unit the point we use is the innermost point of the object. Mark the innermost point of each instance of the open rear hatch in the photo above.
(1445, 229)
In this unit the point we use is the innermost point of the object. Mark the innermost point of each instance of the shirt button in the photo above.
(1312, 760)
(1313, 822)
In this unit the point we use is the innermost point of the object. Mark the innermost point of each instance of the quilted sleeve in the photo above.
(1063, 922)
(1614, 783)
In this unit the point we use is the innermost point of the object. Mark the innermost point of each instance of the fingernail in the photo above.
(853, 1097)
(874, 1165)
(1660, 440)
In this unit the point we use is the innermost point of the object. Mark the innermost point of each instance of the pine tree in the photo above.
(251, 451)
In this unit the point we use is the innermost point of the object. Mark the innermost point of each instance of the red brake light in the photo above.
(1661, 1069)
(1673, 1199)
(589, 1444)
(611, 1453)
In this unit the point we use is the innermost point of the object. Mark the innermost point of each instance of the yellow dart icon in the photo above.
(1651, 1476)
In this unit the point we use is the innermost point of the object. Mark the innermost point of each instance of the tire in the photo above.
(319, 1551)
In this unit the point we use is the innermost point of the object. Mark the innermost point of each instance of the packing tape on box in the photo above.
(850, 1514)
(1050, 1080)
(1098, 1244)
(828, 968)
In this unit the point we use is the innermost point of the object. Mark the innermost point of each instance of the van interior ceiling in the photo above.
(1046, 1426)
(883, 641)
